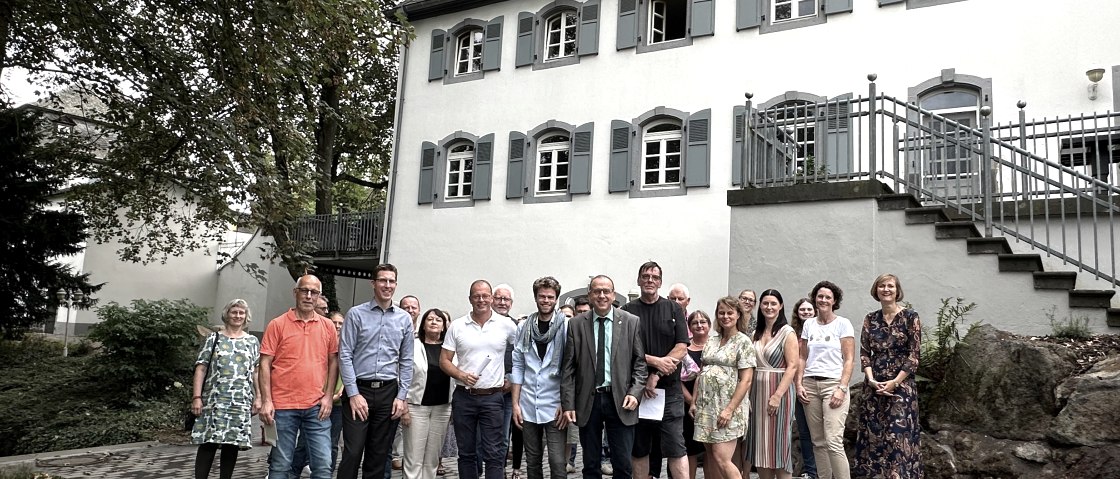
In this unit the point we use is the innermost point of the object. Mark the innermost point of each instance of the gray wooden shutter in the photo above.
(515, 169)
(703, 18)
(436, 62)
(483, 168)
(739, 128)
(748, 14)
(579, 171)
(837, 6)
(834, 121)
(589, 29)
(889, 2)
(627, 24)
(697, 157)
(619, 177)
(492, 49)
(525, 42)
(427, 173)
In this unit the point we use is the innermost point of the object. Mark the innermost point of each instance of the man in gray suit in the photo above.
(604, 373)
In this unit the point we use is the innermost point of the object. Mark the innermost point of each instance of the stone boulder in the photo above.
(949, 454)
(1091, 416)
(1094, 462)
(1000, 385)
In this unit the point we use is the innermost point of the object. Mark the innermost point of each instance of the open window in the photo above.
(652, 25)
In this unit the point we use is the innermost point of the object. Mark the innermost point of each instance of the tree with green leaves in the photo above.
(32, 234)
(226, 112)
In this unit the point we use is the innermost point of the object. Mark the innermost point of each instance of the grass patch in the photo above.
(1072, 327)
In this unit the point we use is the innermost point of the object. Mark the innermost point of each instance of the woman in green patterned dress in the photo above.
(721, 408)
(225, 392)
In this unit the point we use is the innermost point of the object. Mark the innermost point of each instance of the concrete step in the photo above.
(1027, 263)
(1055, 280)
(1090, 298)
(995, 245)
(955, 230)
(924, 215)
(897, 202)
(1113, 317)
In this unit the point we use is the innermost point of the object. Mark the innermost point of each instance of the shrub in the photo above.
(147, 347)
(1070, 328)
(937, 351)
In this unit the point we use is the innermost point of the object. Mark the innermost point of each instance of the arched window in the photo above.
(553, 160)
(468, 52)
(460, 170)
(950, 144)
(561, 31)
(661, 154)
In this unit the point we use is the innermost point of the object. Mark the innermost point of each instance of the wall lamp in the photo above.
(1095, 75)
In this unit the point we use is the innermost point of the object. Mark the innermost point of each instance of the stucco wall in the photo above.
(790, 247)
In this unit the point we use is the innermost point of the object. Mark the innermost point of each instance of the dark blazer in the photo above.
(628, 365)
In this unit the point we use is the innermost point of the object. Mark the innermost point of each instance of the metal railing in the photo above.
(342, 234)
(1049, 184)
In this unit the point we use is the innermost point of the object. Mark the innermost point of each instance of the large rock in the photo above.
(1091, 415)
(1094, 462)
(965, 454)
(1001, 385)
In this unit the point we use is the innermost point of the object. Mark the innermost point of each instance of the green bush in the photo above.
(937, 350)
(145, 349)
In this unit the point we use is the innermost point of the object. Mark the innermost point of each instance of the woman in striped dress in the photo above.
(772, 394)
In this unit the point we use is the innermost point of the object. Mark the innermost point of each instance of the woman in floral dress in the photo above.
(720, 409)
(225, 392)
(889, 434)
(772, 394)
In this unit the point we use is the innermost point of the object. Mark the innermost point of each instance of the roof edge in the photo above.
(421, 9)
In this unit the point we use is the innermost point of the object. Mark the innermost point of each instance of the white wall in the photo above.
(1029, 49)
(791, 247)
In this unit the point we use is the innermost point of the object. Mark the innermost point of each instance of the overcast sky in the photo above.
(16, 87)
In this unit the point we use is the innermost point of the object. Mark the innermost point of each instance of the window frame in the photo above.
(469, 34)
(769, 25)
(560, 14)
(465, 187)
(555, 149)
(948, 81)
(451, 52)
(441, 166)
(663, 139)
(645, 24)
(588, 16)
(534, 139)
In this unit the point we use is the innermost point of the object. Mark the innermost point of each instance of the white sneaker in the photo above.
(606, 469)
(306, 470)
(571, 468)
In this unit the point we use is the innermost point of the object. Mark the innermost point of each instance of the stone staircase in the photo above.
(949, 226)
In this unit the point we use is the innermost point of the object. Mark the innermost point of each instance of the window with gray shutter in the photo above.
(525, 44)
(427, 173)
(580, 172)
(619, 174)
(492, 49)
(739, 127)
(889, 2)
(748, 14)
(836, 124)
(589, 28)
(627, 33)
(837, 6)
(697, 156)
(483, 168)
(515, 170)
(703, 18)
(436, 63)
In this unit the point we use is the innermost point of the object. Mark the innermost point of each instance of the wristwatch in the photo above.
(843, 388)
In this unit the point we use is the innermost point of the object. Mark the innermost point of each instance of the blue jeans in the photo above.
(299, 459)
(806, 441)
(480, 415)
(604, 414)
(301, 422)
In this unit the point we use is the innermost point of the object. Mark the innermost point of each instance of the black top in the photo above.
(542, 326)
(663, 326)
(691, 385)
(438, 386)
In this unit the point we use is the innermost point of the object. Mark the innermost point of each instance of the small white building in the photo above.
(572, 138)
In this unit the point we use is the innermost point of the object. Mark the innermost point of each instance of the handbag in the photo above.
(189, 417)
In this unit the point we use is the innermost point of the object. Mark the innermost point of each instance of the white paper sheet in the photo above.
(654, 407)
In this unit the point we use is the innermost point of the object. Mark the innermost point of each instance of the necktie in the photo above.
(601, 355)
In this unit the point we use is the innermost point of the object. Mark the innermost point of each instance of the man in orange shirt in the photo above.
(298, 354)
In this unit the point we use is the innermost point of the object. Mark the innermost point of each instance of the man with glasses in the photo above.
(299, 364)
(603, 375)
(376, 359)
(479, 341)
(664, 335)
(503, 303)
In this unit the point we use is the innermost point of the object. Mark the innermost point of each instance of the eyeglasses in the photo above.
(502, 299)
(602, 292)
(747, 300)
(480, 296)
(307, 292)
(649, 277)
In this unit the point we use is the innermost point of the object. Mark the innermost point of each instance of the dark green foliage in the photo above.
(937, 350)
(51, 403)
(31, 235)
(146, 348)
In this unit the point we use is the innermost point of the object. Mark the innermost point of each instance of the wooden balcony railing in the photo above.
(341, 235)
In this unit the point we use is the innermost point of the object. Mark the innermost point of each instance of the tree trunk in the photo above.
(324, 149)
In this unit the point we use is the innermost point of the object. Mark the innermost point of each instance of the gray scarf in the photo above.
(532, 333)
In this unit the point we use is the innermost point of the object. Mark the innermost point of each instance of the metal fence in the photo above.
(343, 234)
(1049, 183)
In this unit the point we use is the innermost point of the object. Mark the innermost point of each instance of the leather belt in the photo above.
(603, 389)
(481, 391)
(820, 378)
(374, 383)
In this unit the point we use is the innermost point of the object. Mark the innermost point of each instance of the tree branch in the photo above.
(379, 185)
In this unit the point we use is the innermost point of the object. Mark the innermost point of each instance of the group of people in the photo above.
(633, 383)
